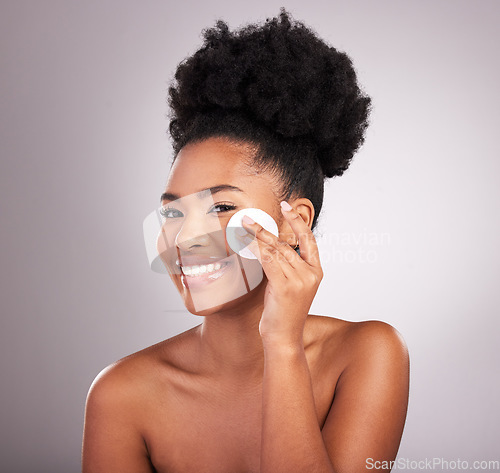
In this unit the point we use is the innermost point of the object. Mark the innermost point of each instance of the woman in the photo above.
(260, 117)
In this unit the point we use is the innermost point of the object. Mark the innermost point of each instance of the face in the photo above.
(208, 183)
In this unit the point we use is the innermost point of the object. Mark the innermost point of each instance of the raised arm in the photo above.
(367, 416)
(366, 419)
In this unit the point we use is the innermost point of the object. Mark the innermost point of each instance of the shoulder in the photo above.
(139, 374)
(367, 332)
(121, 401)
(117, 387)
(376, 361)
(367, 416)
(358, 342)
(376, 339)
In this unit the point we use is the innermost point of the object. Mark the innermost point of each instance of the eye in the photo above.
(170, 212)
(222, 208)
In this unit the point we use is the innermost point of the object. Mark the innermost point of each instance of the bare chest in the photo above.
(210, 437)
(216, 431)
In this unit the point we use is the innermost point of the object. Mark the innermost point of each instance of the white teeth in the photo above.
(201, 269)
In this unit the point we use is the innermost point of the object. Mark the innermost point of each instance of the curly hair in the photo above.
(280, 88)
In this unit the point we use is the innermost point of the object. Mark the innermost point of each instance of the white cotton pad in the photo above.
(259, 216)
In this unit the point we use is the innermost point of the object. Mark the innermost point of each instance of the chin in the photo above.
(242, 302)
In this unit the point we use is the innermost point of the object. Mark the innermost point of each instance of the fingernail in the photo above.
(285, 205)
(247, 219)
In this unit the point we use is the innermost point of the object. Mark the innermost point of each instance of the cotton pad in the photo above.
(259, 216)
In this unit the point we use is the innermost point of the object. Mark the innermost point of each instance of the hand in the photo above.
(292, 279)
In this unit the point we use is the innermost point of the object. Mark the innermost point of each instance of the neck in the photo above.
(230, 346)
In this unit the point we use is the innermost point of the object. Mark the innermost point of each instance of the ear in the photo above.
(306, 210)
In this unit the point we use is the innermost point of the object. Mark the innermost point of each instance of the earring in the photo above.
(297, 245)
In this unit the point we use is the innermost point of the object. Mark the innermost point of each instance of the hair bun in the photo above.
(281, 75)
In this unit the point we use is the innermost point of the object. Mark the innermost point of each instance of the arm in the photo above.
(291, 438)
(112, 443)
(367, 416)
(366, 420)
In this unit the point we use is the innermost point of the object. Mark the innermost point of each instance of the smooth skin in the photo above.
(260, 386)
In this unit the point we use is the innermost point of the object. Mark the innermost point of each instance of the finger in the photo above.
(281, 252)
(305, 237)
(265, 254)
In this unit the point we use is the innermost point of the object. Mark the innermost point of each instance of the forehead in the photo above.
(215, 162)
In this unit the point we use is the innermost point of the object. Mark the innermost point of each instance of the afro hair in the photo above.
(279, 87)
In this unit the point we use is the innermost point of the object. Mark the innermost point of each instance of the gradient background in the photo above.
(85, 156)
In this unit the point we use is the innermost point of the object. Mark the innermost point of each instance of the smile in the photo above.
(198, 276)
(200, 269)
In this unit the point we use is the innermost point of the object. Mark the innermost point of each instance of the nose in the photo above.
(194, 231)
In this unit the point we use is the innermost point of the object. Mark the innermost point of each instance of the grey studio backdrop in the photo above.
(408, 235)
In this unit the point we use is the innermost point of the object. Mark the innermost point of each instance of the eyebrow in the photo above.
(203, 193)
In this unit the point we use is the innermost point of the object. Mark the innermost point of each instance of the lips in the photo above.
(198, 271)
(193, 260)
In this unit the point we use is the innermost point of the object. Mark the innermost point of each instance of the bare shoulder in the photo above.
(374, 338)
(367, 414)
(140, 375)
(122, 404)
(349, 341)
(121, 384)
